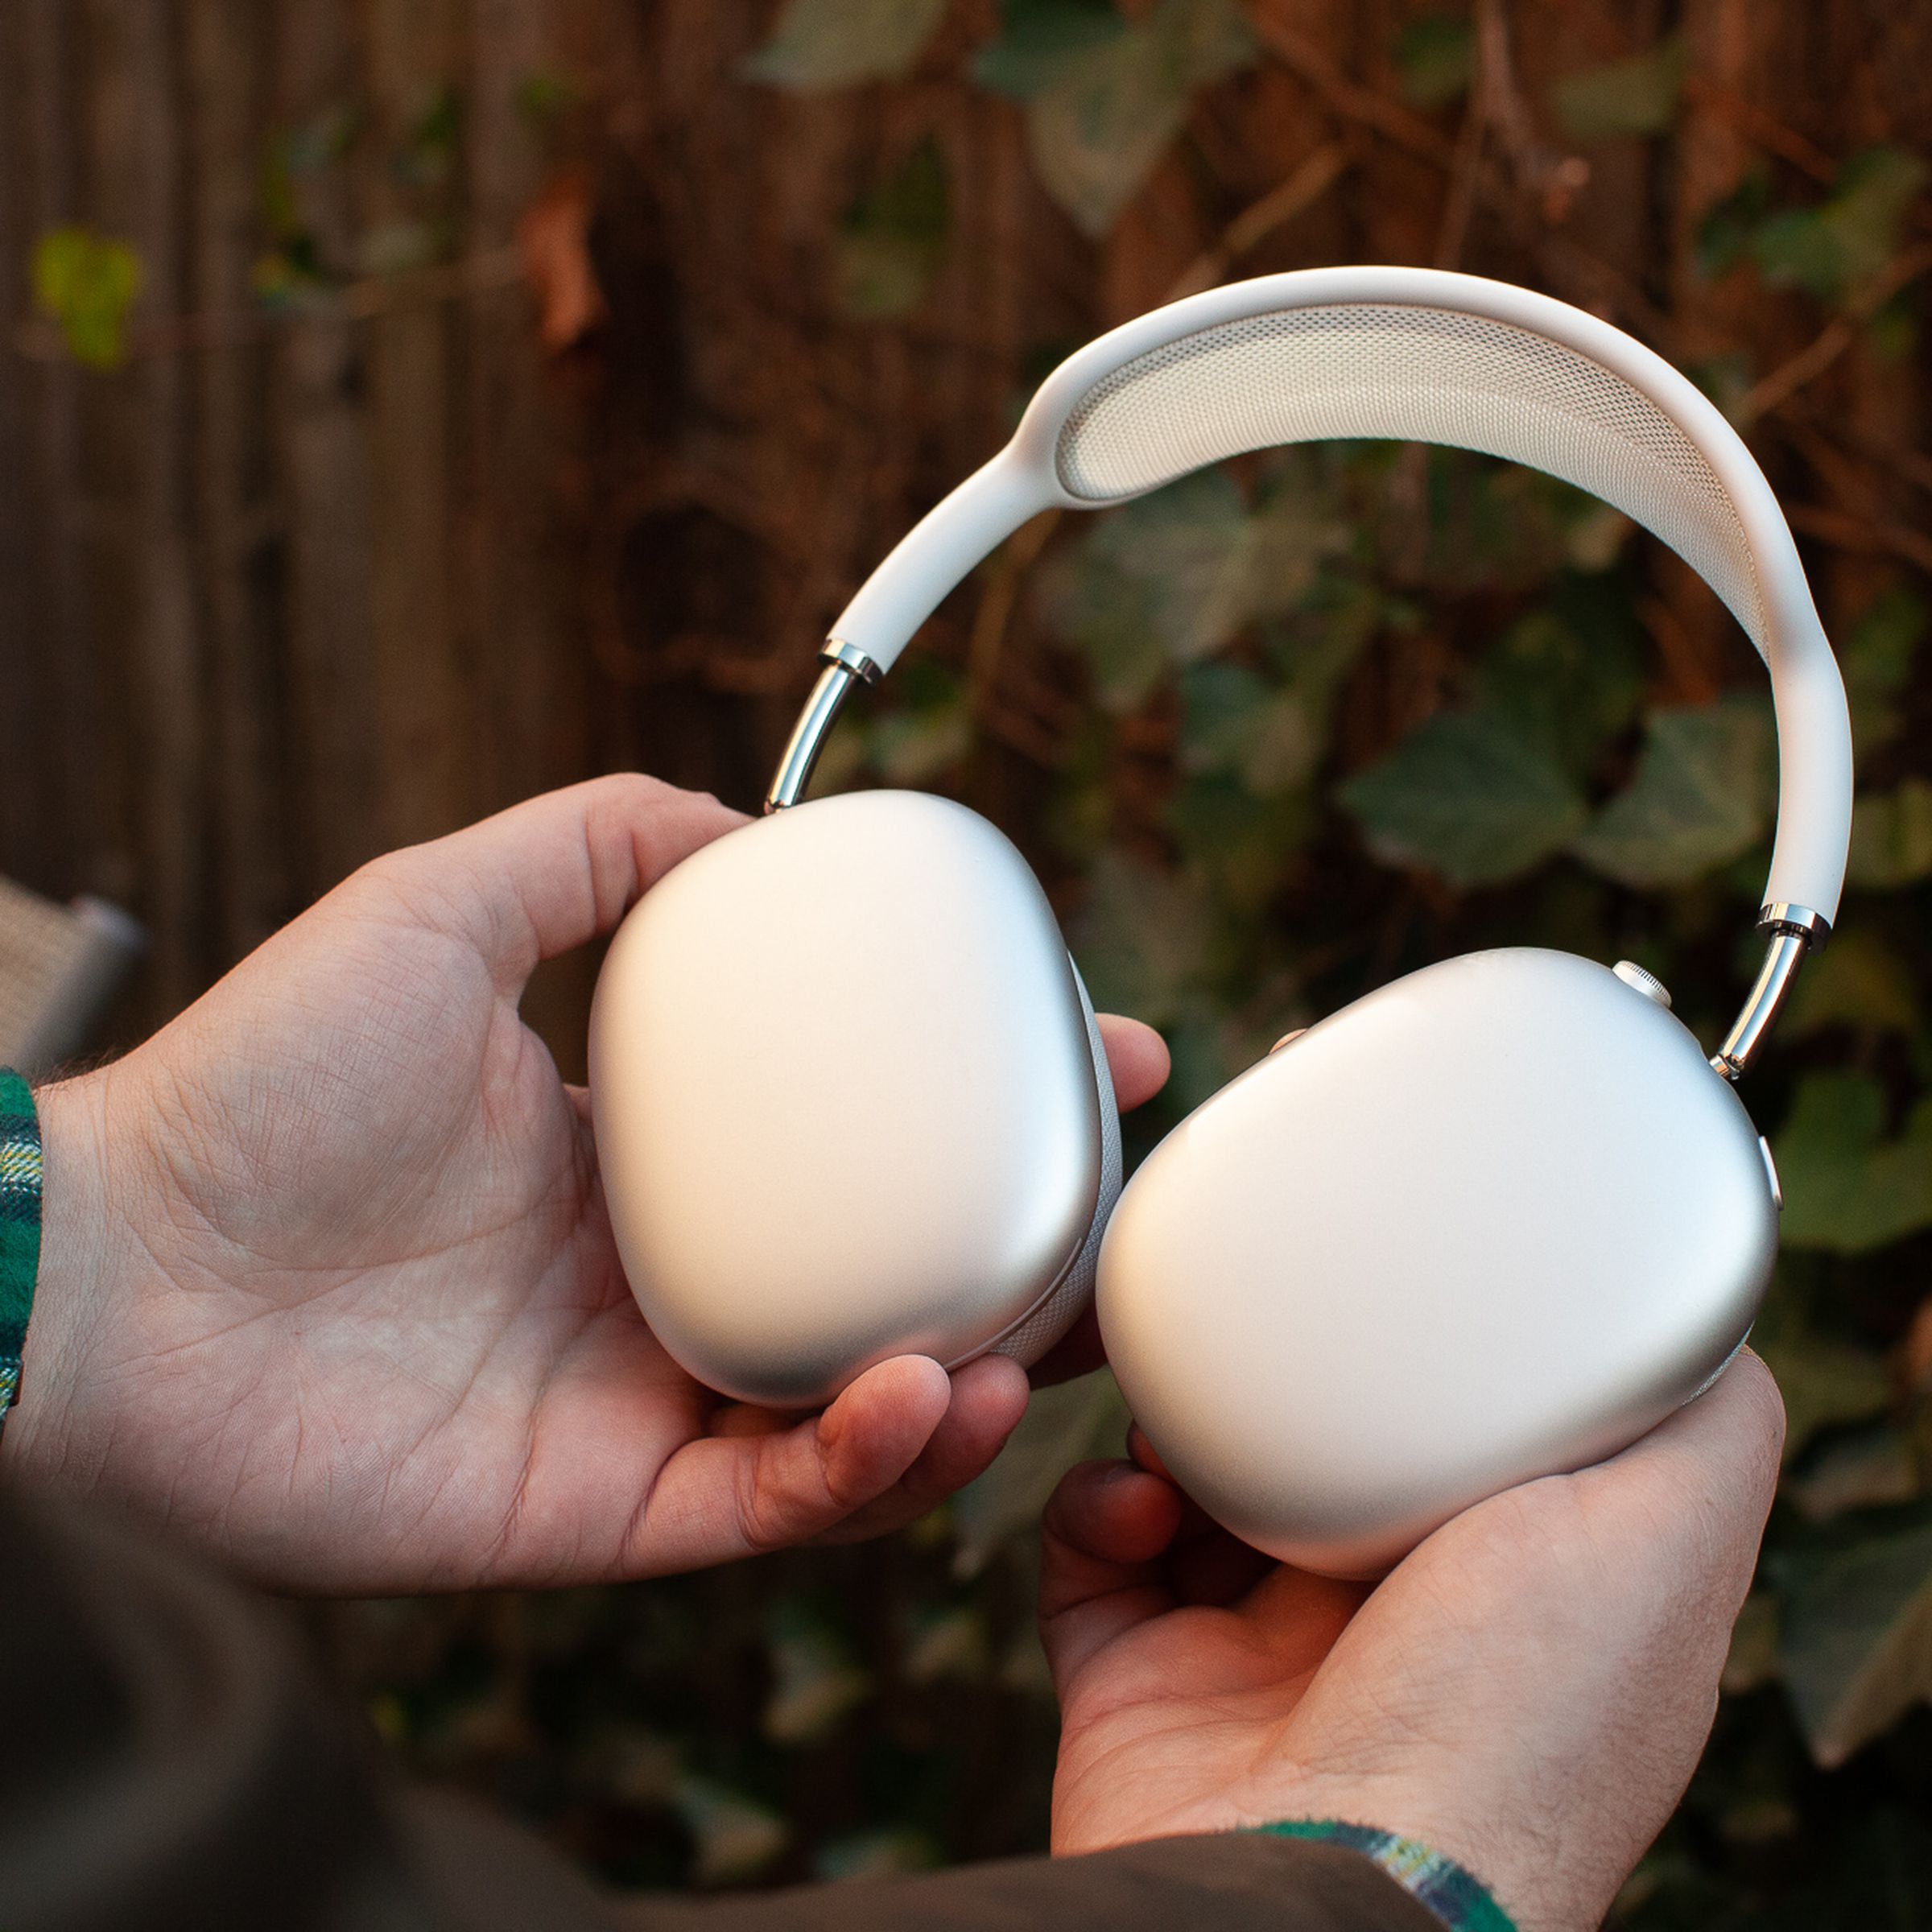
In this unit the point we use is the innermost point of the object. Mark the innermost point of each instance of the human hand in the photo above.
(327, 1283)
(1528, 1692)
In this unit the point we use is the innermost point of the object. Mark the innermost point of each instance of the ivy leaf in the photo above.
(1435, 57)
(1468, 795)
(1570, 686)
(1859, 981)
(893, 240)
(1233, 721)
(1873, 1468)
(735, 1837)
(1832, 248)
(1892, 836)
(1857, 1630)
(1241, 841)
(86, 283)
(1724, 235)
(816, 1681)
(1824, 1381)
(1163, 580)
(1877, 658)
(1096, 131)
(1847, 1189)
(819, 44)
(1042, 44)
(1701, 796)
(1142, 939)
(913, 748)
(1636, 96)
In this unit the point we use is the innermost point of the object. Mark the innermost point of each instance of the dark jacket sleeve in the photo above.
(168, 1762)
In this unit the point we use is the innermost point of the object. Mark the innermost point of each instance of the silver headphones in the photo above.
(1491, 1221)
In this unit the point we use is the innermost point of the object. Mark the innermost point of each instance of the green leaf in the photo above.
(86, 284)
(893, 240)
(1857, 1631)
(1892, 837)
(1469, 795)
(1097, 131)
(1636, 96)
(1234, 722)
(1876, 658)
(1834, 247)
(1142, 938)
(1241, 842)
(1042, 42)
(914, 748)
(816, 1681)
(949, 1643)
(1847, 1189)
(1171, 578)
(1858, 981)
(1062, 1426)
(885, 1854)
(1724, 235)
(819, 44)
(1866, 1471)
(1435, 57)
(1701, 796)
(735, 1837)
(1826, 1381)
(1161, 581)
(1570, 686)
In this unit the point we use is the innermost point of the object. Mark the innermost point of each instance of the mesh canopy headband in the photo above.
(1419, 374)
(1422, 356)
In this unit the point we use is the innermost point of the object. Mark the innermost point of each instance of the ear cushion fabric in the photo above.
(1066, 1301)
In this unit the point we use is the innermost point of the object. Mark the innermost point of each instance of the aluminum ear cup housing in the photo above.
(1492, 1221)
(850, 1101)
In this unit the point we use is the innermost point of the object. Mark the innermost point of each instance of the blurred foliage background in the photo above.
(409, 404)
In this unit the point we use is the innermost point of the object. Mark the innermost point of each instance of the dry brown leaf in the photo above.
(554, 235)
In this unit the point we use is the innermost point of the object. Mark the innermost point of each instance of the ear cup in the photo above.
(1492, 1222)
(1069, 1297)
(850, 1101)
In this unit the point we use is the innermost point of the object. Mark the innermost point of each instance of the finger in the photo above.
(725, 1496)
(1706, 1478)
(557, 871)
(1103, 1533)
(989, 1398)
(1145, 1455)
(1137, 1058)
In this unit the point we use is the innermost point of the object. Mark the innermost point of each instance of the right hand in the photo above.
(327, 1284)
(1528, 1692)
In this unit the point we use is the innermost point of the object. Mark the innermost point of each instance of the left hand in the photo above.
(1528, 1692)
(327, 1283)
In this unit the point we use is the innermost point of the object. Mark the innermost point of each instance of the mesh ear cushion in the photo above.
(1066, 1301)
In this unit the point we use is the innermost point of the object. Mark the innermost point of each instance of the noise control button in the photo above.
(1648, 983)
(1777, 1193)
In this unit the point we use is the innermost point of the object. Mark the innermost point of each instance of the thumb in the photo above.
(557, 871)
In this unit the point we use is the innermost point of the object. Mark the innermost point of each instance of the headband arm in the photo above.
(1767, 590)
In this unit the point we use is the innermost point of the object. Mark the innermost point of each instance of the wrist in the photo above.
(77, 1266)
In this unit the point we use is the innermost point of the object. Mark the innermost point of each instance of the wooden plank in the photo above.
(318, 403)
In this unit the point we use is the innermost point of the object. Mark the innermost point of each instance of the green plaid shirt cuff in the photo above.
(19, 1227)
(1432, 1880)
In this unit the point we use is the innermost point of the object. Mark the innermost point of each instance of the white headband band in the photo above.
(1422, 356)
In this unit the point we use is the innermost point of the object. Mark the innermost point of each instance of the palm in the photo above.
(373, 1332)
(393, 1282)
(1528, 1692)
